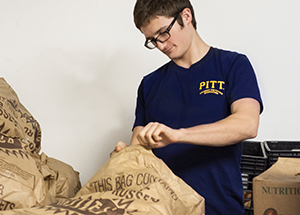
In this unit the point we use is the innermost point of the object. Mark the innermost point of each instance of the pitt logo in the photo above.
(215, 87)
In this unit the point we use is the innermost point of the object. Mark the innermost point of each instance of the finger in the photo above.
(120, 145)
(157, 133)
(149, 134)
(142, 135)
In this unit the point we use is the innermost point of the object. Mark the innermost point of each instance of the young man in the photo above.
(195, 110)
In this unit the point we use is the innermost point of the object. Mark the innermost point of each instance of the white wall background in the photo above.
(76, 66)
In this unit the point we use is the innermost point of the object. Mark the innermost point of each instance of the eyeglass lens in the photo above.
(163, 37)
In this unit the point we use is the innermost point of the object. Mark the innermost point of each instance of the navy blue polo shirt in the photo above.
(182, 98)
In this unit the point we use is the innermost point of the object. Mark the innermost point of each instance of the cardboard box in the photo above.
(277, 190)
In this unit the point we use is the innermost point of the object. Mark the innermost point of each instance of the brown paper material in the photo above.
(277, 190)
(28, 179)
(61, 179)
(15, 119)
(132, 182)
(136, 169)
(21, 183)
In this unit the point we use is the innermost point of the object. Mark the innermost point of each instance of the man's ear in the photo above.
(186, 16)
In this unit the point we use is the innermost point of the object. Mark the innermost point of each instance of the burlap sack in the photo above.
(132, 182)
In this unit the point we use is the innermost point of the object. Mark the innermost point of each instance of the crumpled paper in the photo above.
(133, 181)
(27, 178)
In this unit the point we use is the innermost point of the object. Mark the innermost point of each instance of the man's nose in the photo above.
(161, 45)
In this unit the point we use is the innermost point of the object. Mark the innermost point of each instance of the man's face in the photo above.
(173, 46)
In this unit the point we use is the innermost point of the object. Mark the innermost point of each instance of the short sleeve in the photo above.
(140, 119)
(242, 81)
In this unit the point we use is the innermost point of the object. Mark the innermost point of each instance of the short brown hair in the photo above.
(145, 10)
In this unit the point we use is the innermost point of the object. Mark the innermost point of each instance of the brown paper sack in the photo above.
(15, 119)
(60, 178)
(21, 182)
(132, 182)
(136, 174)
(277, 190)
(28, 179)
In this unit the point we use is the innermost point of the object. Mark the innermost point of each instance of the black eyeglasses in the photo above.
(162, 37)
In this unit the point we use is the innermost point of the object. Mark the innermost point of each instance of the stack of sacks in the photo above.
(132, 181)
(27, 178)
